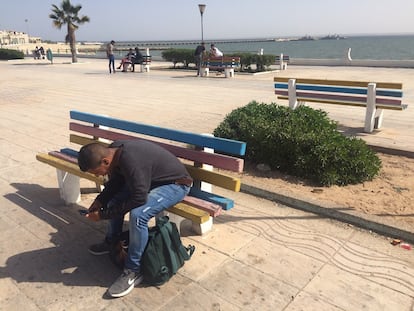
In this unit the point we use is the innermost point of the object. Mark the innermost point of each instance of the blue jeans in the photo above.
(159, 199)
(111, 62)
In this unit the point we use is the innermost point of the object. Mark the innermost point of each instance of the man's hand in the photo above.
(94, 211)
(95, 206)
(94, 216)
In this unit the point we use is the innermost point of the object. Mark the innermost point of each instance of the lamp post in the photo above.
(202, 8)
(27, 29)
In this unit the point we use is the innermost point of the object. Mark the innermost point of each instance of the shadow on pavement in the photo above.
(67, 261)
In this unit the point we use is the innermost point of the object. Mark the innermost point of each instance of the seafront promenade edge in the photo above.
(260, 255)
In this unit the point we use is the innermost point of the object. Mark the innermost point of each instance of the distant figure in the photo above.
(127, 60)
(215, 52)
(198, 55)
(42, 52)
(36, 53)
(111, 56)
(137, 58)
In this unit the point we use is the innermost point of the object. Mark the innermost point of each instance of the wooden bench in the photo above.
(282, 61)
(195, 150)
(224, 63)
(145, 63)
(375, 97)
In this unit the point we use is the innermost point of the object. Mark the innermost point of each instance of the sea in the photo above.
(390, 47)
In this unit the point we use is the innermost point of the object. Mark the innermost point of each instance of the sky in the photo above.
(138, 20)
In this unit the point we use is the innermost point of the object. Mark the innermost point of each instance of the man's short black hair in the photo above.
(91, 155)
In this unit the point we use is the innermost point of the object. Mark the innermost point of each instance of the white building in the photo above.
(8, 37)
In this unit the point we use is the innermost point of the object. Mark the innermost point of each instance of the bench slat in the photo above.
(225, 203)
(322, 101)
(343, 100)
(194, 214)
(69, 167)
(217, 160)
(220, 180)
(221, 144)
(385, 85)
(214, 210)
(340, 89)
(188, 210)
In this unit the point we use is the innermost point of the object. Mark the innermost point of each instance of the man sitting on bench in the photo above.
(144, 180)
(137, 58)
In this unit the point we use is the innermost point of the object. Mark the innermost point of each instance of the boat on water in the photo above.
(333, 37)
(305, 38)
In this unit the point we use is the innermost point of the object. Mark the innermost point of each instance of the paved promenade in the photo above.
(260, 255)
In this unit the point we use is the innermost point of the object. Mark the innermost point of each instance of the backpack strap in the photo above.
(169, 233)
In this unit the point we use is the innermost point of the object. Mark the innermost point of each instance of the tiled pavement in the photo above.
(260, 255)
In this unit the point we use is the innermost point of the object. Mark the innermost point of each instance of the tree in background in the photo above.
(68, 14)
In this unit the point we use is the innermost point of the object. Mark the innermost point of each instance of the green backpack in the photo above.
(163, 255)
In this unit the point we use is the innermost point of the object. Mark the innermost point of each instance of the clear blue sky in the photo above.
(223, 19)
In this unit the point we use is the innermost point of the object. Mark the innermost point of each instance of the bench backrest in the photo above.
(224, 61)
(286, 58)
(189, 147)
(387, 95)
(146, 59)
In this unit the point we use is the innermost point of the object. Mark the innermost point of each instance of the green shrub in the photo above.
(184, 56)
(6, 54)
(262, 62)
(303, 142)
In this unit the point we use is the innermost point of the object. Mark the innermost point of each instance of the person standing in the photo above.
(144, 180)
(198, 54)
(111, 56)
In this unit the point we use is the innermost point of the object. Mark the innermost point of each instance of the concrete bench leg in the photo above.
(371, 110)
(199, 229)
(229, 72)
(379, 114)
(205, 72)
(69, 187)
(145, 68)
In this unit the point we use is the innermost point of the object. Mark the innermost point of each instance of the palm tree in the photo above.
(68, 14)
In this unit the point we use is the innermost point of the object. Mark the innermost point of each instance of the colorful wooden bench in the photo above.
(224, 63)
(375, 97)
(282, 61)
(200, 153)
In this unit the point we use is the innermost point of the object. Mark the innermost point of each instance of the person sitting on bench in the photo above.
(137, 58)
(126, 60)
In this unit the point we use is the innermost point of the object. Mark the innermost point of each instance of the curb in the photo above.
(333, 213)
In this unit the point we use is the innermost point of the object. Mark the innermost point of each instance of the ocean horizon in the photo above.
(378, 47)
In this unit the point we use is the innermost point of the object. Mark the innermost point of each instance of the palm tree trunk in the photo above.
(72, 42)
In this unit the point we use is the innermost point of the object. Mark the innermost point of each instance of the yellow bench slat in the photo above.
(218, 179)
(194, 214)
(71, 168)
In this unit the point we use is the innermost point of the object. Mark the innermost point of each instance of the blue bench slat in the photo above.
(217, 143)
(70, 152)
(389, 93)
(225, 203)
(335, 89)
(281, 86)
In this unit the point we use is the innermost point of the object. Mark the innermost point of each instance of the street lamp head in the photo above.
(202, 8)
